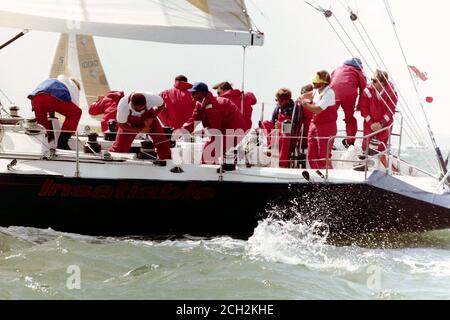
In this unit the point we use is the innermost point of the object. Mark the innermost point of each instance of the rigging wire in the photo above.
(257, 8)
(408, 113)
(328, 14)
(353, 43)
(430, 131)
(403, 104)
(412, 128)
(7, 98)
(245, 12)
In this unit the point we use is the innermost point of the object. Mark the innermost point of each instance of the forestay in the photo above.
(224, 22)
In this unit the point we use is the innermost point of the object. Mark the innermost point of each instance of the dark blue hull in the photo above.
(142, 207)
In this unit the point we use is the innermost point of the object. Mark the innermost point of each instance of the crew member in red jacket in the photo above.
(179, 103)
(377, 105)
(323, 124)
(216, 113)
(106, 106)
(347, 81)
(137, 113)
(225, 90)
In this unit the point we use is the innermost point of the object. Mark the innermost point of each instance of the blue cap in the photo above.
(354, 62)
(199, 87)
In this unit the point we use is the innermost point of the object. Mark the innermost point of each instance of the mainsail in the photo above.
(223, 22)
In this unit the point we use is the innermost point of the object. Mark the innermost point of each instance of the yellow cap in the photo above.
(317, 79)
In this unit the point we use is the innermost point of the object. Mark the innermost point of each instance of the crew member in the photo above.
(347, 81)
(216, 113)
(54, 95)
(283, 112)
(243, 101)
(179, 103)
(137, 112)
(323, 125)
(107, 107)
(377, 105)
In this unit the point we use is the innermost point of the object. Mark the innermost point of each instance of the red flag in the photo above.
(419, 74)
(429, 99)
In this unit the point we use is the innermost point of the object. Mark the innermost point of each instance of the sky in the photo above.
(298, 42)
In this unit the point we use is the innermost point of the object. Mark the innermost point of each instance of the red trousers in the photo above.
(351, 124)
(124, 140)
(269, 127)
(382, 137)
(318, 136)
(43, 104)
(284, 142)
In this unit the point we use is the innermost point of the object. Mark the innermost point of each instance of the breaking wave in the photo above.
(289, 241)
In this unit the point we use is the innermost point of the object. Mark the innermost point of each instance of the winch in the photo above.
(92, 146)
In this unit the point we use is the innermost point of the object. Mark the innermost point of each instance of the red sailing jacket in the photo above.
(390, 96)
(346, 80)
(249, 100)
(106, 106)
(378, 109)
(179, 105)
(216, 113)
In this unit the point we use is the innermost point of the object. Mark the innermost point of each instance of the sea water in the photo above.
(281, 260)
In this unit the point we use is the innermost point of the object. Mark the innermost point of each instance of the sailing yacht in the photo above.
(102, 193)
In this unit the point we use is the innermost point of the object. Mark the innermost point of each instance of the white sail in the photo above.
(61, 58)
(79, 58)
(76, 56)
(223, 22)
